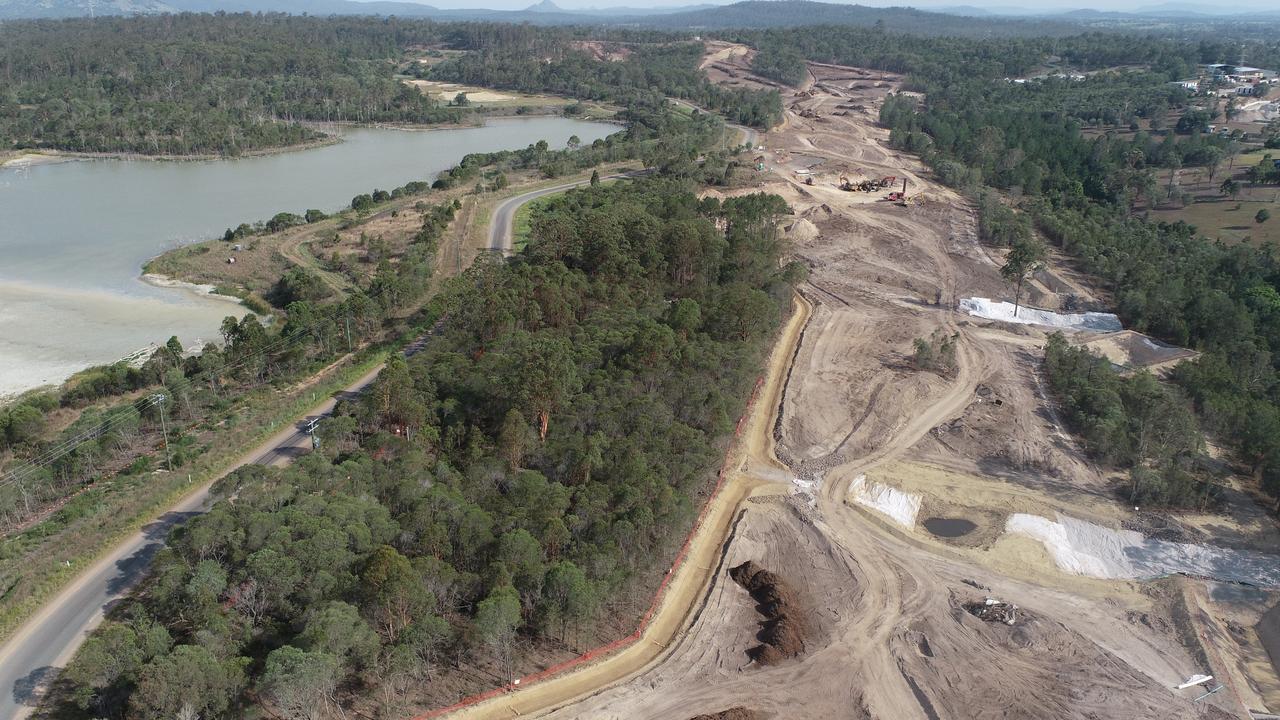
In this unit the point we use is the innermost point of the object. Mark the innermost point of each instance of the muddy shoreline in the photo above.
(197, 289)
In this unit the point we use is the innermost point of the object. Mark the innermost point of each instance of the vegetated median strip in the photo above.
(787, 337)
(62, 573)
(521, 228)
(521, 223)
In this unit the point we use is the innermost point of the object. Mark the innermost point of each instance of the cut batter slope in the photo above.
(707, 668)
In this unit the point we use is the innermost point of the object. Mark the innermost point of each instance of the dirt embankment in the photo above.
(1268, 630)
(782, 634)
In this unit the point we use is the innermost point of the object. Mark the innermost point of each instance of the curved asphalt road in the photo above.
(503, 224)
(37, 652)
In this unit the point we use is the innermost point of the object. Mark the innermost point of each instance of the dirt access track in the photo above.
(886, 635)
(751, 467)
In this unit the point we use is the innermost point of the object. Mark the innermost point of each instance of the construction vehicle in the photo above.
(898, 196)
(864, 186)
(869, 185)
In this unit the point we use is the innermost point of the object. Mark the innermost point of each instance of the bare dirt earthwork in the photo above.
(887, 635)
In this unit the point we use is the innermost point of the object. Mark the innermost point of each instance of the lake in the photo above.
(74, 235)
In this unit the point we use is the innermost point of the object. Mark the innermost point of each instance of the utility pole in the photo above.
(311, 430)
(160, 399)
(347, 320)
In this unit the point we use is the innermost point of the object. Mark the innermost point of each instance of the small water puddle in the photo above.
(949, 527)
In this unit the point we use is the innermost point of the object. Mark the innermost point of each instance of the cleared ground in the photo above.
(889, 636)
(1131, 350)
(446, 92)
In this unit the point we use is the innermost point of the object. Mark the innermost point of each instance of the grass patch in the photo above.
(1219, 216)
(1232, 221)
(521, 226)
(255, 304)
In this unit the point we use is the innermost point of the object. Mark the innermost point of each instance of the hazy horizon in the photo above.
(996, 6)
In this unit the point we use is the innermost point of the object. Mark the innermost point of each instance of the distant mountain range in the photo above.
(13, 9)
(1168, 11)
(751, 13)
(960, 20)
(791, 13)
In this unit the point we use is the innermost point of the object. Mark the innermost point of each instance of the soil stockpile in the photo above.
(782, 634)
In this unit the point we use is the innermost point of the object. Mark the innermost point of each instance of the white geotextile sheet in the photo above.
(1083, 548)
(1004, 311)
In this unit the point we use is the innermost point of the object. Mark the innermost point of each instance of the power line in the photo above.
(113, 418)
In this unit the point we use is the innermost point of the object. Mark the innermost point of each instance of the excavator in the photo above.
(898, 196)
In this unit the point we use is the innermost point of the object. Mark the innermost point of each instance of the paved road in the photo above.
(38, 651)
(503, 224)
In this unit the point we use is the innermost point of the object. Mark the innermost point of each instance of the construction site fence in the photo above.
(623, 642)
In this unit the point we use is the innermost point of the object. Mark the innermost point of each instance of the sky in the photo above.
(1056, 5)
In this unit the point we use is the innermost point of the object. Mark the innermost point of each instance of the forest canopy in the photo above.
(227, 84)
(505, 483)
(188, 84)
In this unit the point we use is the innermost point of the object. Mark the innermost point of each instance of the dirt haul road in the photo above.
(887, 635)
(752, 464)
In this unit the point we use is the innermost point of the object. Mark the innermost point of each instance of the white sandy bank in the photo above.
(901, 507)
